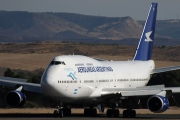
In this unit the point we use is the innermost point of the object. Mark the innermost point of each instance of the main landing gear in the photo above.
(126, 113)
(90, 112)
(129, 114)
(62, 112)
(112, 113)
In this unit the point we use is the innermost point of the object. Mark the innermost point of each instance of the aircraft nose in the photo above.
(47, 80)
(47, 85)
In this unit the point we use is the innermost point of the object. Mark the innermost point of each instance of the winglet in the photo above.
(144, 49)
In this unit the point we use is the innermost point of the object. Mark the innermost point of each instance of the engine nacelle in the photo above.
(15, 98)
(158, 104)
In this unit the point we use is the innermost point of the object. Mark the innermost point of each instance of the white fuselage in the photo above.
(73, 77)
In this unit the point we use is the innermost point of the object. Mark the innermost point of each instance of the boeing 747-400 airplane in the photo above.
(77, 80)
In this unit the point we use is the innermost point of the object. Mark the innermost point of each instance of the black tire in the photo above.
(116, 113)
(86, 112)
(61, 114)
(56, 113)
(125, 114)
(94, 112)
(67, 111)
(132, 114)
(109, 113)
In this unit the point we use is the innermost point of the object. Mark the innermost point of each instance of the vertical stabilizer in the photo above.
(144, 49)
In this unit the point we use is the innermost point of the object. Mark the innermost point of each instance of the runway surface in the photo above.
(46, 114)
(81, 117)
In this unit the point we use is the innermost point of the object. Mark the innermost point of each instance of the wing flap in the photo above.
(130, 92)
(140, 91)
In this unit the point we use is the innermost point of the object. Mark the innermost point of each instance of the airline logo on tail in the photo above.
(148, 39)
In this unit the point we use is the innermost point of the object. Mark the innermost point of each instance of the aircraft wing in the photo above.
(159, 70)
(140, 91)
(143, 91)
(13, 82)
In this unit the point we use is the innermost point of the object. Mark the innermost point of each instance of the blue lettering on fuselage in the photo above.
(94, 69)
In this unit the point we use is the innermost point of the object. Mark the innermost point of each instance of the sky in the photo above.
(137, 9)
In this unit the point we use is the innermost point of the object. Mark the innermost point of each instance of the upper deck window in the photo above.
(57, 63)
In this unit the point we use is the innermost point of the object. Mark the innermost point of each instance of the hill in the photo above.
(28, 27)
(24, 25)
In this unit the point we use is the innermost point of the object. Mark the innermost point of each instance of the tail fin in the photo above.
(144, 49)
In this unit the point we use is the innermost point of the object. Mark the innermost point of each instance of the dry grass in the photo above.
(31, 56)
(26, 61)
(32, 61)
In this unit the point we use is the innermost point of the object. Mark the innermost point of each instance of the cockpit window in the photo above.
(57, 63)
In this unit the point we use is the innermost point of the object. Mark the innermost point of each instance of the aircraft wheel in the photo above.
(61, 114)
(109, 113)
(132, 114)
(116, 113)
(90, 112)
(129, 113)
(55, 113)
(86, 112)
(67, 111)
(94, 112)
(125, 114)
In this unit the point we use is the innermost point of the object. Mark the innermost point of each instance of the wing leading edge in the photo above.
(31, 87)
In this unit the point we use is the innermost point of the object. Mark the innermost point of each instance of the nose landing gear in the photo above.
(59, 113)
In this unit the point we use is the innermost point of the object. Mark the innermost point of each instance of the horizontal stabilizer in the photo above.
(166, 69)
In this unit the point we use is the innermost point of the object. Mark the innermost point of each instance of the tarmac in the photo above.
(81, 117)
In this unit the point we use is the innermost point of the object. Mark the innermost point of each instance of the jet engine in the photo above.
(158, 104)
(15, 98)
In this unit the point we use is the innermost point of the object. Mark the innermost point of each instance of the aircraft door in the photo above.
(129, 81)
